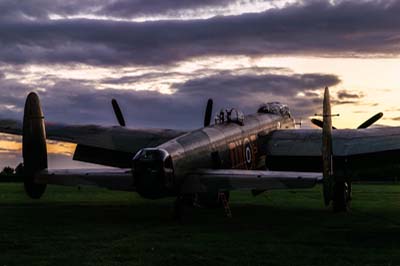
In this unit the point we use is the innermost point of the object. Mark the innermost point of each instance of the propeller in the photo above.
(319, 123)
(118, 113)
(371, 121)
(366, 124)
(208, 113)
(121, 120)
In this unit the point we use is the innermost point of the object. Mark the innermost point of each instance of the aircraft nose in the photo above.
(152, 174)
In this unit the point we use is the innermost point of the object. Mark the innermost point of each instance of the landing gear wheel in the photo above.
(341, 196)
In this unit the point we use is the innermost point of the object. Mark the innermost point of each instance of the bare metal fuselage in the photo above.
(226, 145)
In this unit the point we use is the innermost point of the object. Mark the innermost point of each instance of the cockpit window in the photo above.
(150, 154)
(229, 116)
(275, 108)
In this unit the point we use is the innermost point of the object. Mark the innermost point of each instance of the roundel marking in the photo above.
(248, 154)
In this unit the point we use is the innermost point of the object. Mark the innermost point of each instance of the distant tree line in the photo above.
(9, 174)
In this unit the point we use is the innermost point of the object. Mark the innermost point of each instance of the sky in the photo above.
(162, 60)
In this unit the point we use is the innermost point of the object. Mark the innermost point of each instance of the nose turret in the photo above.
(153, 173)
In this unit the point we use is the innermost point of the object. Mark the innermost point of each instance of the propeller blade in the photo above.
(371, 121)
(319, 123)
(208, 113)
(118, 113)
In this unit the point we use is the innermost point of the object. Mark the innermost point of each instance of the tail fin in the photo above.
(34, 149)
(327, 148)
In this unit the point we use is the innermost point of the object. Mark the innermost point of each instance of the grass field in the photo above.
(99, 227)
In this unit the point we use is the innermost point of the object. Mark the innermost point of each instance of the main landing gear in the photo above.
(341, 196)
(202, 200)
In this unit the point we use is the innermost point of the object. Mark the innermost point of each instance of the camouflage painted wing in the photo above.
(207, 180)
(346, 142)
(362, 154)
(111, 146)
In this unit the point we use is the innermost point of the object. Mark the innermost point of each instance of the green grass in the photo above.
(100, 227)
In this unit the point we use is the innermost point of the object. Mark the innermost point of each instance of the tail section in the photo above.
(327, 148)
(34, 149)
(336, 189)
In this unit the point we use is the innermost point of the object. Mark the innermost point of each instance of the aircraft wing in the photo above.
(111, 146)
(206, 180)
(346, 142)
(363, 154)
(111, 179)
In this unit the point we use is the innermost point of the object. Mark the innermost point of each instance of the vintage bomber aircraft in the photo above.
(256, 152)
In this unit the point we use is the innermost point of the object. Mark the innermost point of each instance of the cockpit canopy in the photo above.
(274, 108)
(229, 116)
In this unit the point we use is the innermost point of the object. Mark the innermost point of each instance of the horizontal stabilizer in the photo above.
(107, 178)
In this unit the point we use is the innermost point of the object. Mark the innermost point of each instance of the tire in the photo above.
(341, 197)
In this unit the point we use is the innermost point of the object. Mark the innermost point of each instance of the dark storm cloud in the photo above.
(212, 75)
(350, 28)
(128, 8)
(71, 101)
(144, 77)
(343, 94)
(339, 102)
(347, 97)
(251, 84)
(42, 9)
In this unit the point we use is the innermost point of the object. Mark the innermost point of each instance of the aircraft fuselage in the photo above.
(226, 145)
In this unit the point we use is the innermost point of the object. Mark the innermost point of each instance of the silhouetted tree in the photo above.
(19, 170)
(10, 175)
(7, 171)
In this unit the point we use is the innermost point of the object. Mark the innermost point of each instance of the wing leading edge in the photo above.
(111, 137)
(111, 146)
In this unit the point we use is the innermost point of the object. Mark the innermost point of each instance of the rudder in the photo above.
(34, 148)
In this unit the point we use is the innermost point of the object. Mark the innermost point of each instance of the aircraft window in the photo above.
(275, 108)
(151, 154)
(229, 116)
